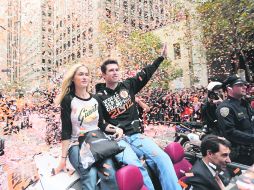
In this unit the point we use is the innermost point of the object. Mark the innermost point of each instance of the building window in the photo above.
(140, 25)
(91, 48)
(84, 35)
(177, 50)
(84, 50)
(90, 30)
(125, 20)
(108, 13)
(78, 54)
(140, 12)
(133, 24)
(90, 33)
(132, 8)
(125, 5)
(162, 11)
(73, 27)
(73, 41)
(146, 15)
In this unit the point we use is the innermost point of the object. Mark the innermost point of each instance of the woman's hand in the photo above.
(61, 167)
(118, 132)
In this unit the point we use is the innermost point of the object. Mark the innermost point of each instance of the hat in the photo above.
(214, 85)
(233, 80)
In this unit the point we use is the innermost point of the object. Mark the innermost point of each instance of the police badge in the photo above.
(224, 111)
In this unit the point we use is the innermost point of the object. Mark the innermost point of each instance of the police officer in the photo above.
(214, 97)
(236, 120)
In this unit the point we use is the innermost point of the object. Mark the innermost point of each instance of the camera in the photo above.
(212, 95)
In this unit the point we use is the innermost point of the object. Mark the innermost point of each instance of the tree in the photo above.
(228, 31)
(136, 49)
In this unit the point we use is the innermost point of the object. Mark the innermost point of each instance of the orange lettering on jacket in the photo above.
(117, 111)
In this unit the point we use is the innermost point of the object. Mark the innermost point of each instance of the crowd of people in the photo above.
(224, 107)
(14, 114)
(173, 106)
(165, 106)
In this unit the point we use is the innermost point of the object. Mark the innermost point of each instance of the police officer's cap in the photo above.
(233, 80)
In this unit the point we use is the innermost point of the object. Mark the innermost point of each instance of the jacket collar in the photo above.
(100, 87)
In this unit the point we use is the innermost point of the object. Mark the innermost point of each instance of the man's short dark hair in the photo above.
(107, 62)
(212, 143)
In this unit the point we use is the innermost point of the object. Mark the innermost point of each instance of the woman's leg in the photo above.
(88, 177)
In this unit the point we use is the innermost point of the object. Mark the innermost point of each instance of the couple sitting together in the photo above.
(112, 110)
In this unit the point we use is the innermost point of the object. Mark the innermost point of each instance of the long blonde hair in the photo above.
(68, 84)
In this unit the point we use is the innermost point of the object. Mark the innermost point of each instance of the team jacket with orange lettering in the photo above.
(118, 105)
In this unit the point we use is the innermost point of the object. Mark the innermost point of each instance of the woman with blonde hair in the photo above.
(80, 114)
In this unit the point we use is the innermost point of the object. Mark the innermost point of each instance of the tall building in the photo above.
(186, 50)
(70, 29)
(146, 15)
(30, 39)
(22, 44)
(68, 33)
(13, 41)
(3, 42)
(56, 33)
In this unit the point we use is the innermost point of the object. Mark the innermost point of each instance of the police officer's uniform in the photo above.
(236, 121)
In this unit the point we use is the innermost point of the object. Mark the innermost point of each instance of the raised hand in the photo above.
(164, 51)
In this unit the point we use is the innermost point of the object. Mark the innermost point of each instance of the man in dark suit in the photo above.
(206, 172)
